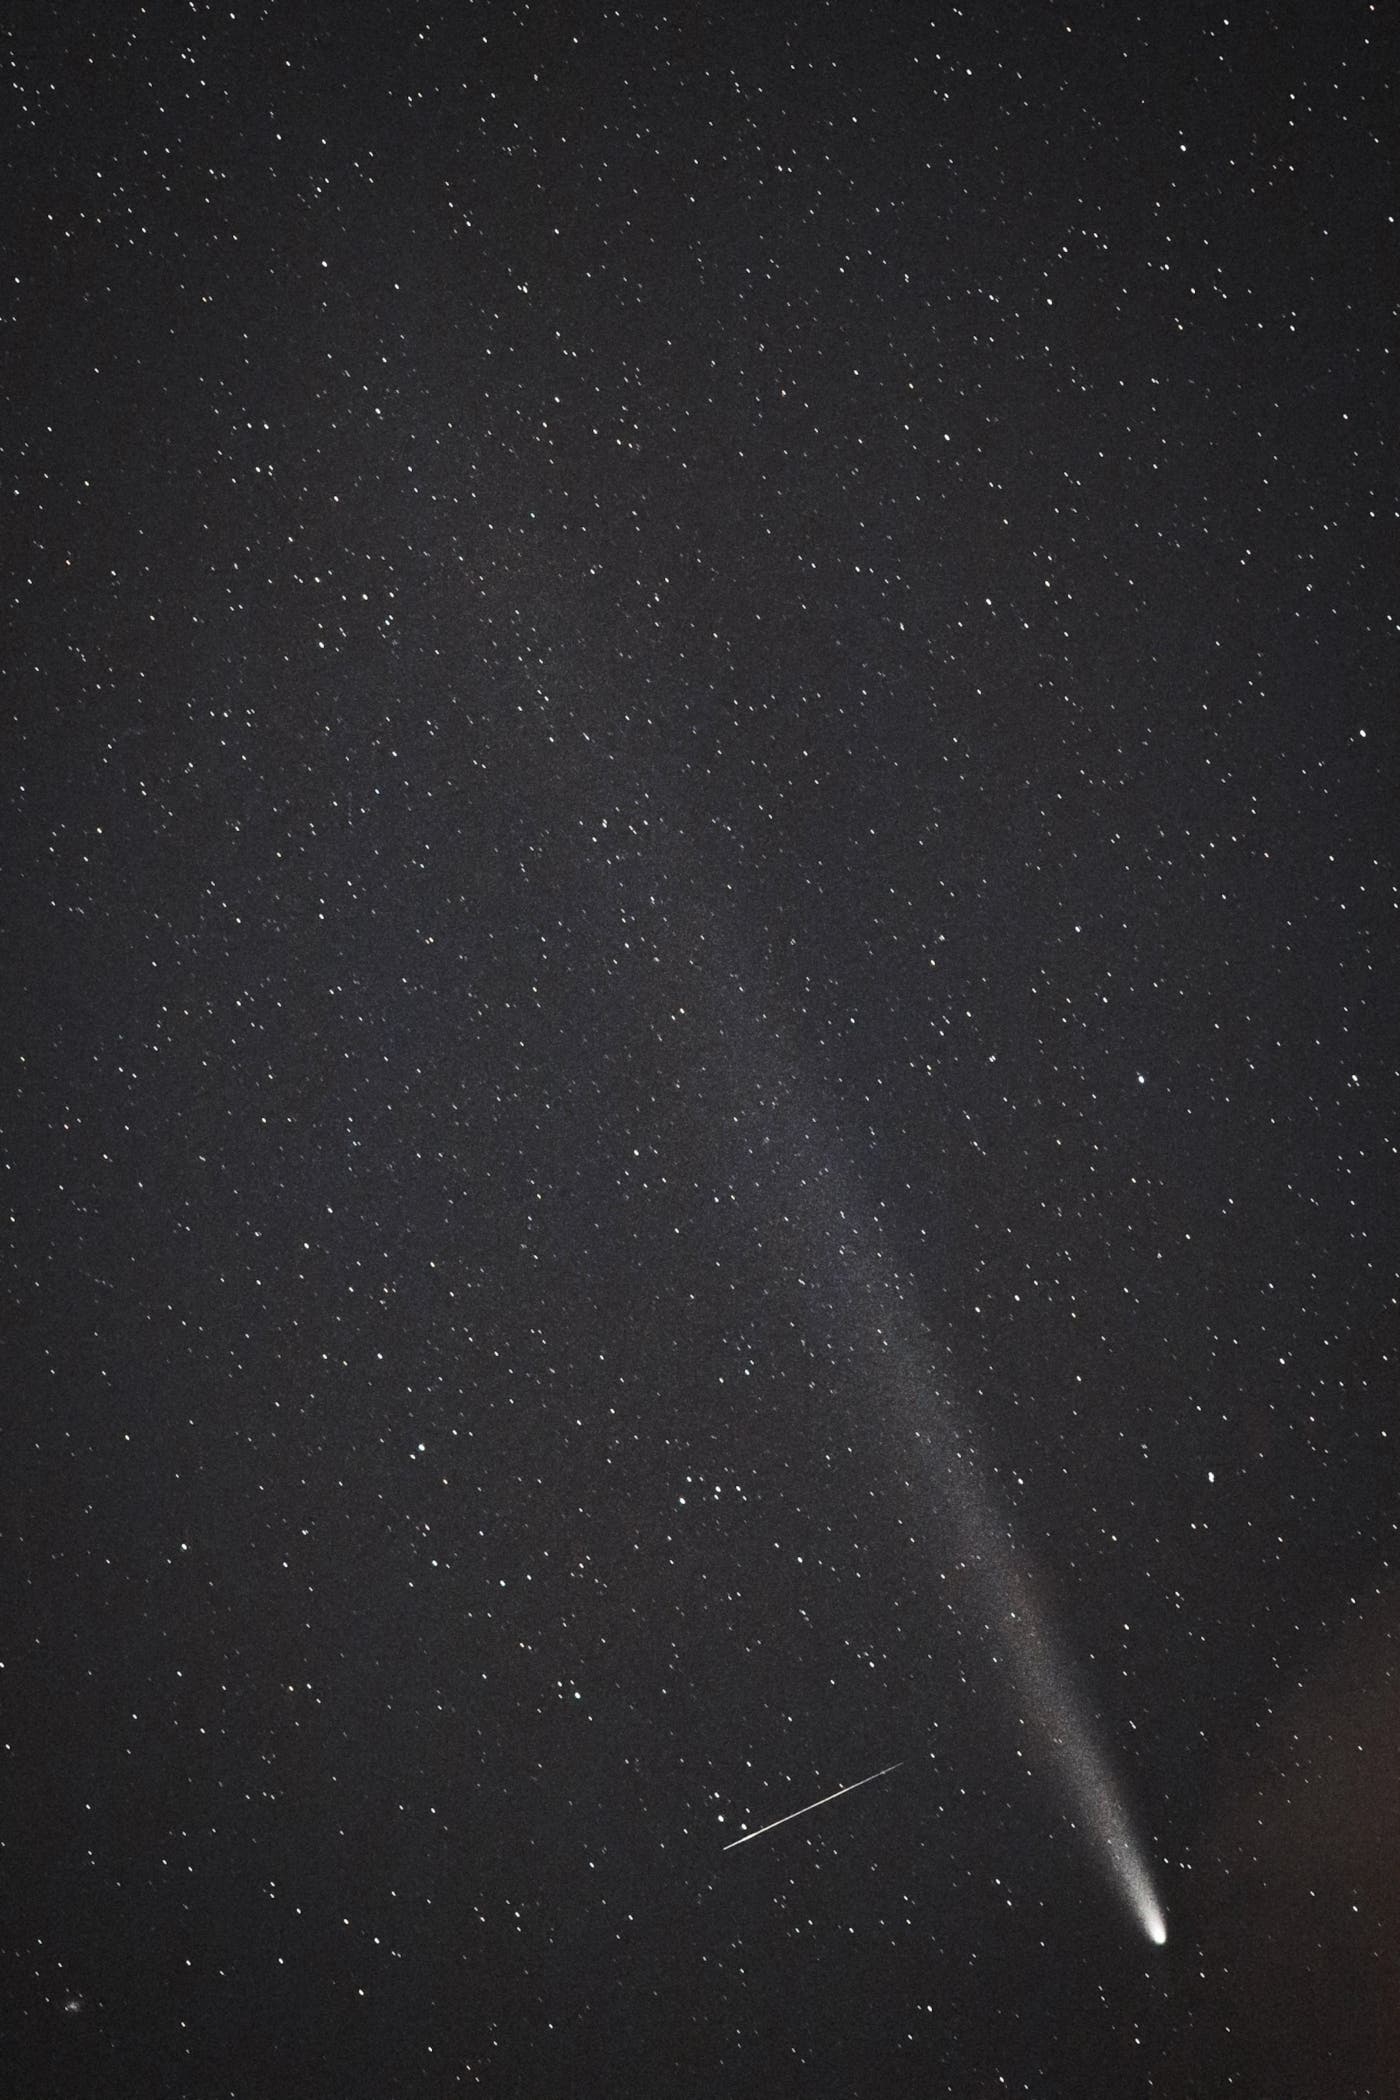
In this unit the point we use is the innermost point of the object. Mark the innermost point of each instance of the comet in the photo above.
(1046, 1697)
(793, 1814)
(807, 1209)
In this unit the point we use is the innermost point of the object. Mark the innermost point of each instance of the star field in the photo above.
(699, 904)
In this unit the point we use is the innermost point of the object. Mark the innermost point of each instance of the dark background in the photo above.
(643, 647)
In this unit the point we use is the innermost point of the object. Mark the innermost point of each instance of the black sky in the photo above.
(699, 855)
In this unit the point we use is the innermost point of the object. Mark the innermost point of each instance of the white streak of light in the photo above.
(796, 1812)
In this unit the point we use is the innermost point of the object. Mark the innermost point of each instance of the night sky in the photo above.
(702, 1065)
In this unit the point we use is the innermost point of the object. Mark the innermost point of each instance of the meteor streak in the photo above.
(796, 1812)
